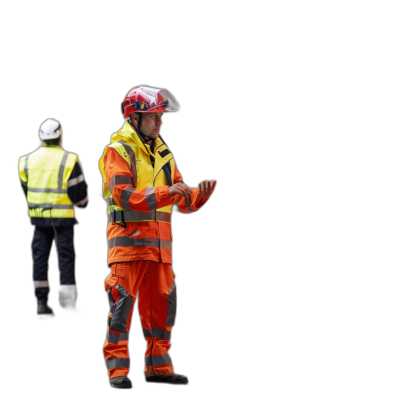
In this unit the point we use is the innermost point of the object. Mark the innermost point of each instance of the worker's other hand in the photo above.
(181, 189)
(206, 188)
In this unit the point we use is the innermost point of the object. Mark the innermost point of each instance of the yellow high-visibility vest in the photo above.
(46, 172)
(129, 146)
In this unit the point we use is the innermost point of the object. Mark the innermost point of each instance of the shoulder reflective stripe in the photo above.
(118, 180)
(68, 288)
(26, 167)
(157, 333)
(117, 363)
(61, 172)
(151, 198)
(82, 202)
(132, 216)
(157, 360)
(132, 156)
(127, 241)
(50, 205)
(125, 196)
(39, 284)
(75, 181)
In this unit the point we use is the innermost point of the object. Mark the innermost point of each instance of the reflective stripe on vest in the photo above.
(127, 144)
(47, 171)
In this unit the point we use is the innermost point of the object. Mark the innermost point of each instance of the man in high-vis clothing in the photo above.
(141, 183)
(53, 183)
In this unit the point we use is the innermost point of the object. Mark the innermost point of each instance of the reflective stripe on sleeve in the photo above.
(151, 198)
(118, 180)
(157, 333)
(75, 181)
(82, 202)
(117, 363)
(125, 196)
(157, 360)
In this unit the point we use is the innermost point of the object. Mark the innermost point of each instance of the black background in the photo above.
(84, 96)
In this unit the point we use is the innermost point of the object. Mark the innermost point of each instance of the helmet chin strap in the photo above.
(141, 135)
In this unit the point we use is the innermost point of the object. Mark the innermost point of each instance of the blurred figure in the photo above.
(53, 183)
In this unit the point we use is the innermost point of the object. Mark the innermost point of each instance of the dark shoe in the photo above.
(121, 382)
(169, 378)
(43, 308)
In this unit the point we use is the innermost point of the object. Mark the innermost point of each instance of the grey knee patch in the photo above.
(171, 313)
(122, 310)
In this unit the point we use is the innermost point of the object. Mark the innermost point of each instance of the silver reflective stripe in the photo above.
(132, 157)
(26, 168)
(163, 216)
(132, 216)
(68, 288)
(82, 202)
(115, 338)
(127, 241)
(75, 181)
(118, 180)
(125, 196)
(49, 205)
(117, 363)
(61, 171)
(165, 244)
(157, 333)
(61, 190)
(151, 198)
(110, 201)
(157, 360)
(41, 284)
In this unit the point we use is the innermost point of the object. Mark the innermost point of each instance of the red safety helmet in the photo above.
(142, 99)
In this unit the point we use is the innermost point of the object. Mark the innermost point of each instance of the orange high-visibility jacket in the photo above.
(139, 206)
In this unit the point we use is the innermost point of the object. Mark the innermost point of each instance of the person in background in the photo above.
(53, 182)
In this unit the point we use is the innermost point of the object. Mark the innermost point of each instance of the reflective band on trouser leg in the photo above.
(116, 347)
(39, 284)
(153, 310)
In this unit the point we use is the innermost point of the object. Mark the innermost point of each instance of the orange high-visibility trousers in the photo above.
(157, 308)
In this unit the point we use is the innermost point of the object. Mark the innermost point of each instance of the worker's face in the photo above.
(150, 124)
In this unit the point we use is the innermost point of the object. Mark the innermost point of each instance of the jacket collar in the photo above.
(129, 135)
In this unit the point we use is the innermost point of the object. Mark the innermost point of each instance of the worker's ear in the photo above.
(134, 118)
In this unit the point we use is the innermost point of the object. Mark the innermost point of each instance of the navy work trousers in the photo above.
(41, 246)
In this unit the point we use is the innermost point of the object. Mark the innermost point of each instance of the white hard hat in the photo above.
(50, 129)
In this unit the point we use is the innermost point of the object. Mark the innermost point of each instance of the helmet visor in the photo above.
(151, 99)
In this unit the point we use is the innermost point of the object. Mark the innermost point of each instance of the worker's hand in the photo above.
(206, 188)
(181, 189)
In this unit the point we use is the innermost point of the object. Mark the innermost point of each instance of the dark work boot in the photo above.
(121, 382)
(169, 378)
(43, 308)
